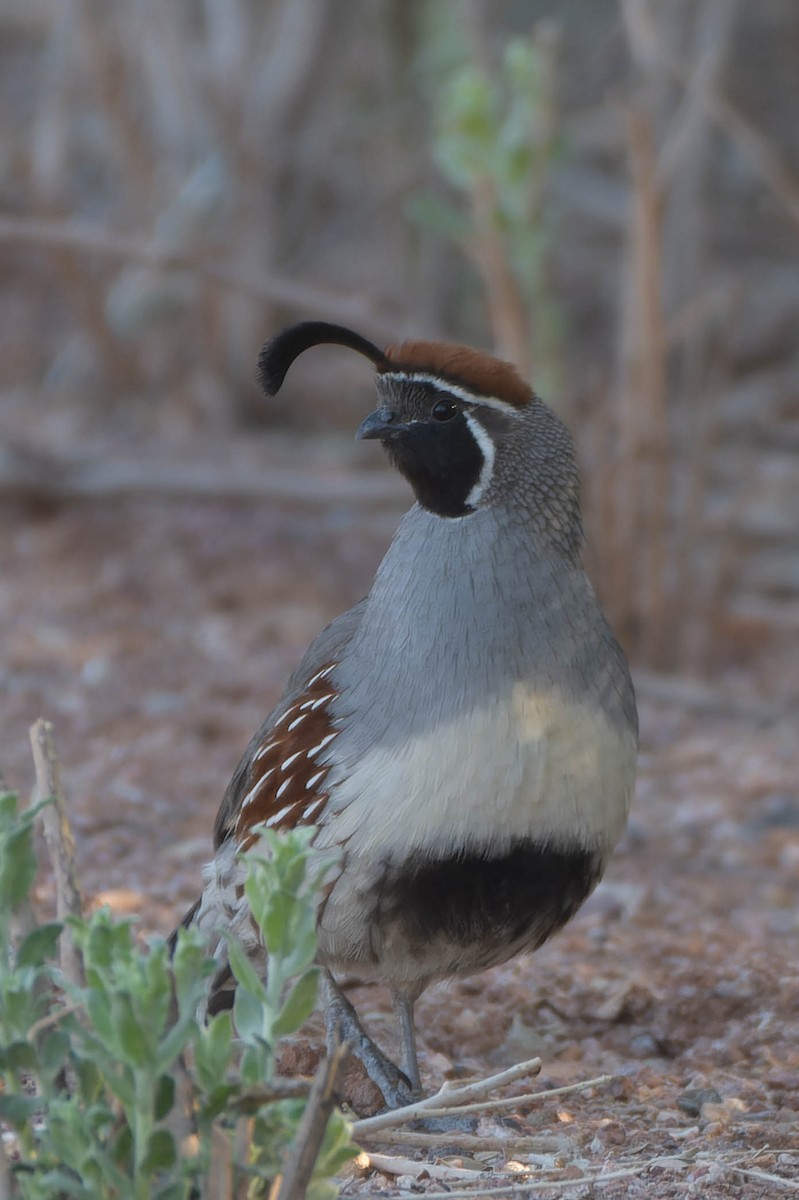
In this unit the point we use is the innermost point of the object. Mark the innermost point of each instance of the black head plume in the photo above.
(279, 353)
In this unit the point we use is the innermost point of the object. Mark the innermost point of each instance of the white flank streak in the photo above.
(321, 745)
(262, 753)
(452, 389)
(322, 700)
(278, 816)
(253, 792)
(312, 782)
(291, 758)
(487, 449)
(283, 787)
(320, 674)
(296, 722)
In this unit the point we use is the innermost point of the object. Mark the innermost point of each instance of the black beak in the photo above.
(382, 423)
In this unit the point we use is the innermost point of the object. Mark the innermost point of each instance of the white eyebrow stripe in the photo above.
(443, 385)
(486, 445)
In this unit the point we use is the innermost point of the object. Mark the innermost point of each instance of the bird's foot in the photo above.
(343, 1025)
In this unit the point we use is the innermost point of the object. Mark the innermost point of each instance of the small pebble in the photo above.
(692, 1101)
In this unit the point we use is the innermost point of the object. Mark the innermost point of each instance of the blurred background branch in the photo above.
(606, 194)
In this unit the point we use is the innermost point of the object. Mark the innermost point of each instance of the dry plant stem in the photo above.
(218, 1183)
(5, 1174)
(648, 384)
(515, 1101)
(322, 302)
(791, 1184)
(53, 1018)
(649, 48)
(528, 1186)
(447, 1098)
(86, 300)
(536, 1144)
(469, 1141)
(86, 479)
(59, 840)
(292, 1183)
(506, 309)
(394, 1165)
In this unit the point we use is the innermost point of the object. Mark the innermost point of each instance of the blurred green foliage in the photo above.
(90, 1071)
(495, 144)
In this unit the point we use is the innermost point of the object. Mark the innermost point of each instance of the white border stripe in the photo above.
(487, 470)
(443, 385)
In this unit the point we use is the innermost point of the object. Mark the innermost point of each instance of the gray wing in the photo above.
(327, 646)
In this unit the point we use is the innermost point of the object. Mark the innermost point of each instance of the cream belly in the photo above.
(535, 765)
(476, 841)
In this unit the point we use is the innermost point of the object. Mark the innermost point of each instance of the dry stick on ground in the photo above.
(447, 1099)
(292, 1183)
(473, 1141)
(534, 1144)
(531, 1183)
(753, 1172)
(59, 840)
(524, 1187)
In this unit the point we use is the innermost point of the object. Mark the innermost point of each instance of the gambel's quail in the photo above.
(466, 735)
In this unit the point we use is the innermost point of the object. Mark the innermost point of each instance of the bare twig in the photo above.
(647, 383)
(68, 479)
(321, 301)
(52, 1018)
(791, 1184)
(491, 1105)
(392, 1164)
(254, 1098)
(534, 1144)
(696, 696)
(59, 840)
(292, 1183)
(5, 1174)
(446, 1099)
(524, 1185)
(218, 1183)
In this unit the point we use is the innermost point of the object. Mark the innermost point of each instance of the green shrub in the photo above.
(112, 1087)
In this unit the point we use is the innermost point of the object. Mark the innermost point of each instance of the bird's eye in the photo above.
(443, 410)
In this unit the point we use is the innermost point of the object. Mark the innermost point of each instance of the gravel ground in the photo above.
(156, 636)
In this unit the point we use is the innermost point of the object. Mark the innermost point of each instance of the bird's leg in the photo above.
(343, 1026)
(403, 1008)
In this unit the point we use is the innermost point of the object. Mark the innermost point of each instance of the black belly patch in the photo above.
(522, 894)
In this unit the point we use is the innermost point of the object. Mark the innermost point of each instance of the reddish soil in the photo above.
(156, 636)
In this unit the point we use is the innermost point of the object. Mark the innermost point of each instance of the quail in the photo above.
(466, 735)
